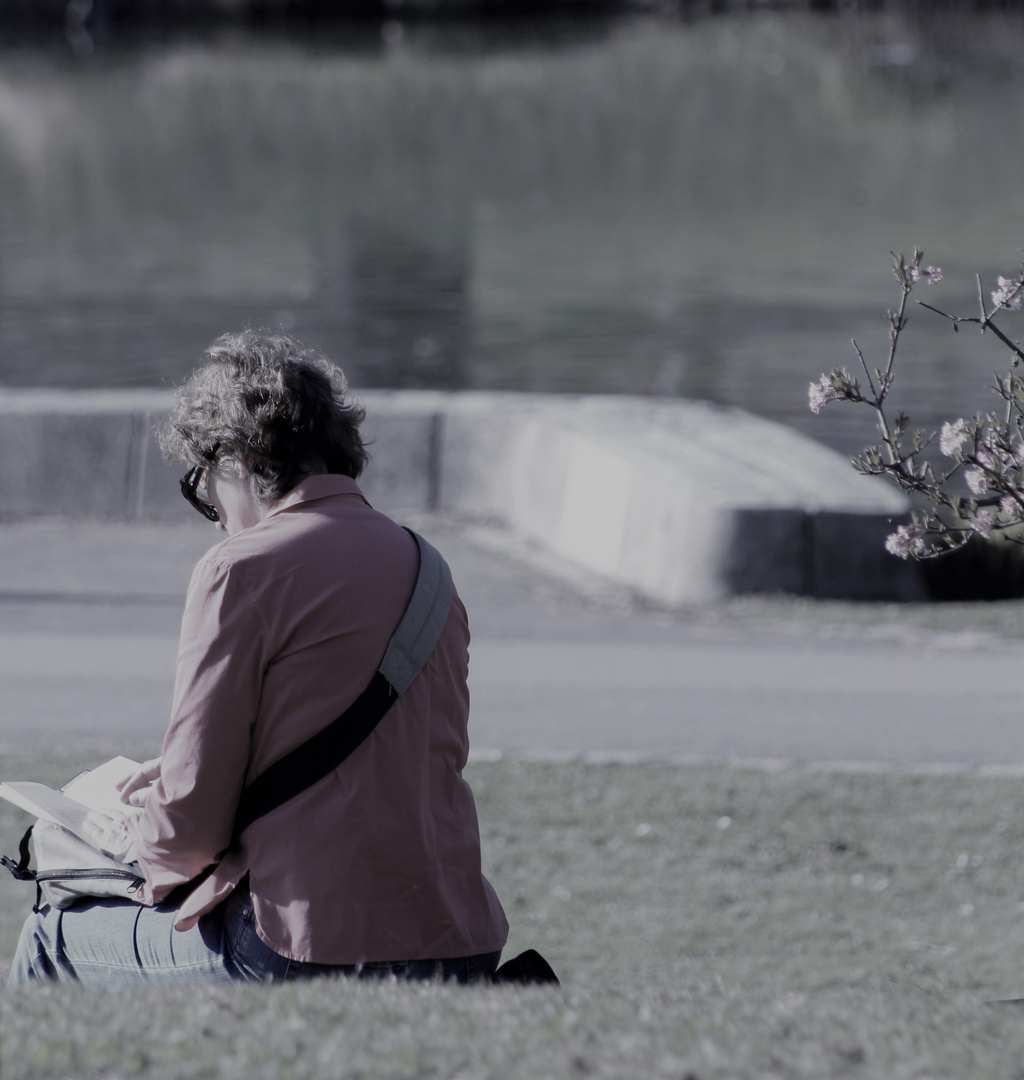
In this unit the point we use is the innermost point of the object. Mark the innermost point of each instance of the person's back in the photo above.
(380, 860)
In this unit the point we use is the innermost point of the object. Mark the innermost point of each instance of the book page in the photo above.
(95, 787)
(91, 790)
(42, 801)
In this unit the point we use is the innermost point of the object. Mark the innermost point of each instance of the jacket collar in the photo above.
(320, 486)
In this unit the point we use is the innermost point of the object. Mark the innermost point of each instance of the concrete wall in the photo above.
(681, 501)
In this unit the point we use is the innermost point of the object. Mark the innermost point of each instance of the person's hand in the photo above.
(111, 833)
(134, 788)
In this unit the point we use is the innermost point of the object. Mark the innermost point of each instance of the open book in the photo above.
(93, 789)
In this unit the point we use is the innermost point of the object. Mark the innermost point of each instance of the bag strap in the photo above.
(20, 868)
(408, 650)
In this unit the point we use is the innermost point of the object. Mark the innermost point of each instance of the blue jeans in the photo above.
(118, 942)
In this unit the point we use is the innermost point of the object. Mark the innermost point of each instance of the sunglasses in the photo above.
(189, 484)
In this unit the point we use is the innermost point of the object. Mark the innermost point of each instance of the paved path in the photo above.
(89, 616)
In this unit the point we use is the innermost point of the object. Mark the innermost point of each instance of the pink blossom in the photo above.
(905, 541)
(931, 274)
(983, 521)
(953, 436)
(819, 394)
(1008, 295)
(976, 480)
(1009, 505)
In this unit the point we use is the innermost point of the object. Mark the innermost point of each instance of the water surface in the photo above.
(697, 208)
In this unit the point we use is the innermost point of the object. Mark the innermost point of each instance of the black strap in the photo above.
(20, 868)
(315, 758)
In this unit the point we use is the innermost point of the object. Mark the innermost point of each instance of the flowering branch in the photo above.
(1006, 297)
(986, 452)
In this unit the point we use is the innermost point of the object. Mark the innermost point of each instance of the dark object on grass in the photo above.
(528, 968)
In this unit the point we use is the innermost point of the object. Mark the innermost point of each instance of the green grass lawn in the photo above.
(706, 923)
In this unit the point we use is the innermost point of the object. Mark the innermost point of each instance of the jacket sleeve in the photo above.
(188, 819)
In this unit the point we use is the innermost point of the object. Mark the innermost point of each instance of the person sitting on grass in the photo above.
(374, 869)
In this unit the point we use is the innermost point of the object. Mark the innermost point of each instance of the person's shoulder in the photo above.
(252, 547)
(240, 568)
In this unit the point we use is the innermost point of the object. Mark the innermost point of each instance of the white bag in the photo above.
(67, 868)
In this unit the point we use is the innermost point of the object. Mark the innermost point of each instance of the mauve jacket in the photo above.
(285, 623)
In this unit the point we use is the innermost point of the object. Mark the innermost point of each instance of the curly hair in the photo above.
(268, 402)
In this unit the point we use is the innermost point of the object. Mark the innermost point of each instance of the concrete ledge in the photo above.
(682, 501)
